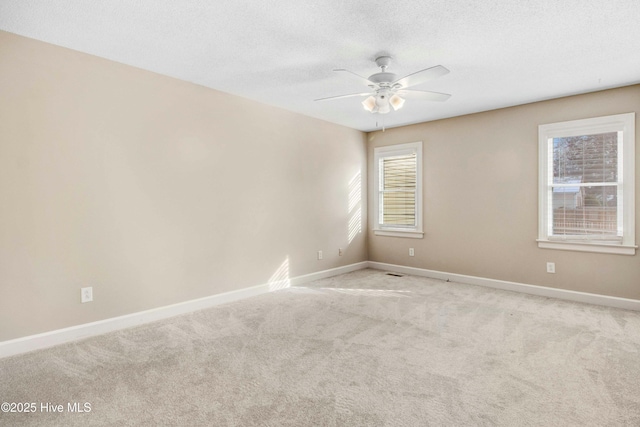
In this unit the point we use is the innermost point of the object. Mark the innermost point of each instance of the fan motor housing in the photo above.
(382, 77)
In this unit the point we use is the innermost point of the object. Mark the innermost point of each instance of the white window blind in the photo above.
(397, 190)
(398, 172)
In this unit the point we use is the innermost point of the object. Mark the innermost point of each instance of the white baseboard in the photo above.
(73, 333)
(624, 303)
(300, 280)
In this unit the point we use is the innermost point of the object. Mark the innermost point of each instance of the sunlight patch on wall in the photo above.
(280, 279)
(355, 224)
(355, 207)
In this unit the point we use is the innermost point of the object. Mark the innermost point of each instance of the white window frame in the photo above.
(392, 151)
(624, 123)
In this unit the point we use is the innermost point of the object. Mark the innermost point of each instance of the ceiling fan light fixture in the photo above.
(382, 103)
(383, 108)
(369, 104)
(396, 102)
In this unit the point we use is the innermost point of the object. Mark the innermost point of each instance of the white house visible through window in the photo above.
(586, 185)
(398, 177)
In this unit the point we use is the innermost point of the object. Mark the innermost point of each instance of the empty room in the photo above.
(328, 213)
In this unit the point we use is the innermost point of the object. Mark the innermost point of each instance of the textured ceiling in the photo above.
(282, 52)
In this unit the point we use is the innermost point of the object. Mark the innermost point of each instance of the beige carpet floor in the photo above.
(361, 349)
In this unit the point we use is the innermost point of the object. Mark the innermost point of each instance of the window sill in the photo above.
(412, 234)
(587, 247)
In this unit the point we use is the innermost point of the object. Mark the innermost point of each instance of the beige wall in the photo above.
(480, 198)
(156, 191)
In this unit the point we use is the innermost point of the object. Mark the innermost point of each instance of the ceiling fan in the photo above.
(388, 91)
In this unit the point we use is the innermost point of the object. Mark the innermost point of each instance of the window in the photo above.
(586, 185)
(397, 183)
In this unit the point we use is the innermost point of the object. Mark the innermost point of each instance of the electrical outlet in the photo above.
(86, 294)
(339, 251)
(319, 254)
(551, 267)
(411, 252)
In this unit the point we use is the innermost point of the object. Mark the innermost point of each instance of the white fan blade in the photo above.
(364, 80)
(343, 96)
(424, 95)
(422, 76)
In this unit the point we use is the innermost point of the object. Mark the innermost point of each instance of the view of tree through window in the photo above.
(585, 185)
